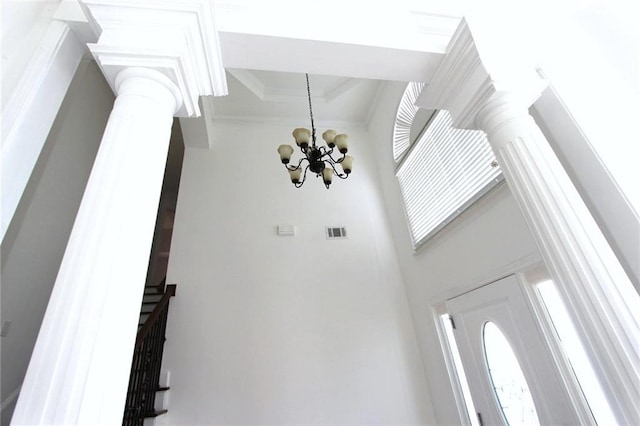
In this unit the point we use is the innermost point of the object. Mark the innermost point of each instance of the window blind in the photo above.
(445, 171)
(404, 118)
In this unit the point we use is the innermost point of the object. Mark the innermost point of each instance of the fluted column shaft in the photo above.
(595, 287)
(79, 369)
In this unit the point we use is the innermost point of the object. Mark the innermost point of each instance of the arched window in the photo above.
(404, 119)
(443, 172)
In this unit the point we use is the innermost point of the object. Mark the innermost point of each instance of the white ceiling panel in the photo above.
(260, 96)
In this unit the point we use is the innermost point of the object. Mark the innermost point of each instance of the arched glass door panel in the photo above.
(495, 328)
(509, 385)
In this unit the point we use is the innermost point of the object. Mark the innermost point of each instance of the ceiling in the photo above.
(266, 52)
(271, 96)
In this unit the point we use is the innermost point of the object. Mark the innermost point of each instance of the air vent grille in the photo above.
(286, 230)
(336, 232)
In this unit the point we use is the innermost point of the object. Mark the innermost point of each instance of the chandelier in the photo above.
(318, 159)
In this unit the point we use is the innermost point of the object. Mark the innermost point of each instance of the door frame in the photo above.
(526, 281)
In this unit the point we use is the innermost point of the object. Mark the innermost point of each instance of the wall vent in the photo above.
(336, 232)
(286, 230)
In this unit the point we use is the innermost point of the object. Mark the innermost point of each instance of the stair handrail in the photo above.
(170, 291)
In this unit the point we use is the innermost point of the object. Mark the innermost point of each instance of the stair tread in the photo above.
(155, 413)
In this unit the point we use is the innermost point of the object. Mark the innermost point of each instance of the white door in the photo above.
(512, 377)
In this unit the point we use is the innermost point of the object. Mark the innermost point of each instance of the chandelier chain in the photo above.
(313, 127)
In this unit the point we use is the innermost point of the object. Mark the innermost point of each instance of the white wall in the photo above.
(487, 241)
(36, 239)
(39, 59)
(24, 23)
(286, 330)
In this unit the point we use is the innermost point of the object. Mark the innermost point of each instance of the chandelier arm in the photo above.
(335, 171)
(304, 177)
(296, 167)
(339, 160)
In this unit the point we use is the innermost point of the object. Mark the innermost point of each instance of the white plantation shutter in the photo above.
(404, 118)
(446, 171)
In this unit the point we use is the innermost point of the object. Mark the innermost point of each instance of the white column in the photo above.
(159, 58)
(487, 82)
(599, 294)
(79, 369)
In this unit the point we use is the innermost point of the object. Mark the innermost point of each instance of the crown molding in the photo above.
(250, 81)
(341, 86)
(478, 69)
(270, 94)
(290, 122)
(177, 38)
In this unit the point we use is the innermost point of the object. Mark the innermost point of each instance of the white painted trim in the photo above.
(32, 78)
(452, 372)
(292, 122)
(517, 266)
(29, 113)
(197, 131)
(555, 349)
(602, 194)
(269, 94)
(249, 80)
(464, 82)
(178, 39)
(343, 85)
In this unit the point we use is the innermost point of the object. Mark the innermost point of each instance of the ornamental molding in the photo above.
(177, 38)
(477, 69)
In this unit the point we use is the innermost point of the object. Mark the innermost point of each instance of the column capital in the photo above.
(483, 64)
(151, 84)
(176, 38)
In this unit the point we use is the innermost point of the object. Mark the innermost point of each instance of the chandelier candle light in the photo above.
(319, 159)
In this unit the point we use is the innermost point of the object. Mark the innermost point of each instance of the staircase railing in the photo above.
(147, 360)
